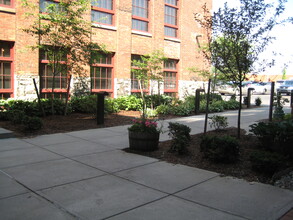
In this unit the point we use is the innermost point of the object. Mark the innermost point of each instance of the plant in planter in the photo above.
(144, 135)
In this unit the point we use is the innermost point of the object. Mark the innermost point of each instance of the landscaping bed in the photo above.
(242, 168)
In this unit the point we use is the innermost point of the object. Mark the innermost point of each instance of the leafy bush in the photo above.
(180, 135)
(32, 123)
(220, 149)
(182, 110)
(258, 101)
(157, 100)
(275, 136)
(84, 104)
(129, 103)
(218, 122)
(231, 104)
(111, 105)
(163, 109)
(212, 97)
(216, 106)
(16, 116)
(267, 162)
(4, 116)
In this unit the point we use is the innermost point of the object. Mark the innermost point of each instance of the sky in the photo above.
(283, 43)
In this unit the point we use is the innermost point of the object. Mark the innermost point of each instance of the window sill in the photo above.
(104, 26)
(141, 33)
(7, 9)
(172, 39)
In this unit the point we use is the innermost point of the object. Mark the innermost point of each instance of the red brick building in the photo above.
(128, 28)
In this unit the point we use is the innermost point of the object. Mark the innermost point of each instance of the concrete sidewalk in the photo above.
(85, 175)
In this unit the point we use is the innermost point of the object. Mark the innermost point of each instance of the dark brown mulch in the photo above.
(194, 158)
(75, 122)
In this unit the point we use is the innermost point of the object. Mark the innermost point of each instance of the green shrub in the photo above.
(163, 109)
(223, 149)
(84, 104)
(212, 97)
(111, 106)
(32, 123)
(180, 135)
(4, 116)
(218, 122)
(258, 101)
(156, 100)
(182, 110)
(267, 162)
(16, 116)
(231, 104)
(216, 106)
(129, 103)
(275, 136)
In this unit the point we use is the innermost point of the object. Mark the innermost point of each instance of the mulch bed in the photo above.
(194, 157)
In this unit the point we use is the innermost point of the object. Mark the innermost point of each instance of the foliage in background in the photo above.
(64, 36)
(237, 36)
(258, 101)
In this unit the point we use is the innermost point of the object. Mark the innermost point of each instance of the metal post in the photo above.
(272, 101)
(100, 107)
(197, 100)
(207, 107)
(249, 96)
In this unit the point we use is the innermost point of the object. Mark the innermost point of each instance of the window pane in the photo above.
(5, 2)
(6, 69)
(170, 15)
(139, 25)
(5, 50)
(170, 64)
(171, 2)
(172, 32)
(102, 17)
(107, 4)
(140, 8)
(45, 3)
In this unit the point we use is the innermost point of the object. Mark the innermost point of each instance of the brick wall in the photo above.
(119, 39)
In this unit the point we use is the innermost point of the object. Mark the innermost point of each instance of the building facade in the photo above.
(128, 28)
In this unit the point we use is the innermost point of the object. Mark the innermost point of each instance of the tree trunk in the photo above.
(239, 111)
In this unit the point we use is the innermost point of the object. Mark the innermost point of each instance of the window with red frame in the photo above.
(103, 11)
(7, 3)
(170, 76)
(47, 74)
(140, 19)
(134, 81)
(102, 73)
(45, 3)
(6, 69)
(171, 18)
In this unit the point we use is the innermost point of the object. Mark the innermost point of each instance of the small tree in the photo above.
(148, 69)
(64, 38)
(239, 36)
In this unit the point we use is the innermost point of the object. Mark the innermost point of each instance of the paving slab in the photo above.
(117, 142)
(10, 187)
(119, 129)
(166, 177)
(78, 148)
(172, 208)
(250, 200)
(93, 134)
(4, 133)
(30, 207)
(51, 139)
(113, 161)
(101, 197)
(13, 143)
(25, 156)
(52, 173)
